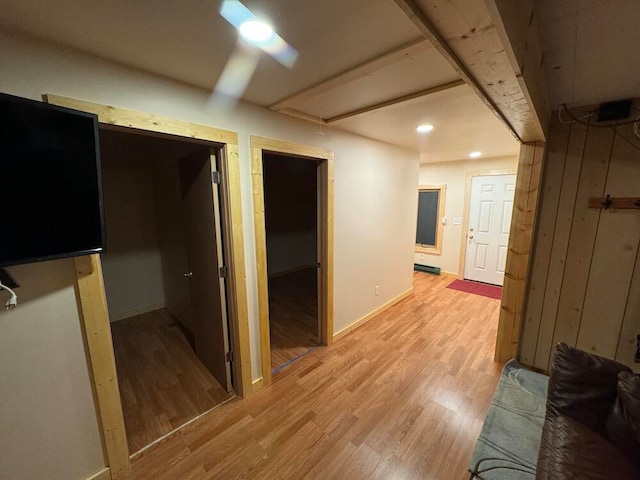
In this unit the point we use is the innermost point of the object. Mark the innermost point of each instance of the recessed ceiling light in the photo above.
(256, 31)
(424, 128)
(475, 154)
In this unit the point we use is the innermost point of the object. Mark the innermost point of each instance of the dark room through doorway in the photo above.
(292, 204)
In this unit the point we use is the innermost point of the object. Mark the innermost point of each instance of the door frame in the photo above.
(467, 209)
(259, 145)
(90, 291)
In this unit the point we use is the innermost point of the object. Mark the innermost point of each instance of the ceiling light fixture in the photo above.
(256, 31)
(475, 154)
(424, 128)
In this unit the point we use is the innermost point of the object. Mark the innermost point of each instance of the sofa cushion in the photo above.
(571, 451)
(583, 386)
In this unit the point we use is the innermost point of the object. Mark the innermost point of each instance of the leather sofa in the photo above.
(592, 422)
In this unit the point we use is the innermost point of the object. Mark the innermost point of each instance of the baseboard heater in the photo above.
(427, 268)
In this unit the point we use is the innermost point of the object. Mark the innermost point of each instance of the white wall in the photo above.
(48, 424)
(132, 265)
(375, 211)
(454, 175)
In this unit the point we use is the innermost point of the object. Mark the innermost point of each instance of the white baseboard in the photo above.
(369, 316)
(449, 274)
(104, 474)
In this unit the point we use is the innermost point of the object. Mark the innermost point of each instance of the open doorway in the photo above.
(291, 200)
(312, 167)
(163, 281)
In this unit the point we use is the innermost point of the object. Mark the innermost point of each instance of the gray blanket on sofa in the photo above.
(507, 448)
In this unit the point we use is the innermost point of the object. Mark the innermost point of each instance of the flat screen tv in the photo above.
(50, 183)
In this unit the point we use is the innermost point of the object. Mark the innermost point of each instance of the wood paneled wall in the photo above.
(584, 285)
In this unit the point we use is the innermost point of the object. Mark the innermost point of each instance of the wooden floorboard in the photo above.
(403, 397)
(162, 382)
(293, 315)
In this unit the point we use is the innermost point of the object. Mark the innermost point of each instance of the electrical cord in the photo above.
(595, 125)
(13, 300)
(565, 122)
(612, 126)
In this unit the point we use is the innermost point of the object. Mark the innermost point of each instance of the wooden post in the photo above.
(102, 361)
(520, 243)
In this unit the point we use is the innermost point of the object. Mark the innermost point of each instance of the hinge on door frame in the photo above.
(229, 356)
(224, 271)
(216, 177)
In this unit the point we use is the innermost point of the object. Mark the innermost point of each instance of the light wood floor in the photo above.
(293, 315)
(403, 397)
(163, 384)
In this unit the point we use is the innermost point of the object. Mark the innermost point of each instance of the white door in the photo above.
(489, 223)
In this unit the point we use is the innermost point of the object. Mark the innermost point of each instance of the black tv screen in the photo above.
(50, 185)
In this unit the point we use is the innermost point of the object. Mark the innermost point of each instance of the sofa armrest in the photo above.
(571, 451)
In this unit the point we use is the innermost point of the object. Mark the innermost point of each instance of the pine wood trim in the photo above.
(258, 146)
(361, 321)
(525, 207)
(437, 248)
(326, 308)
(97, 332)
(348, 76)
(261, 262)
(117, 456)
(290, 148)
(395, 101)
(122, 117)
(237, 288)
(292, 112)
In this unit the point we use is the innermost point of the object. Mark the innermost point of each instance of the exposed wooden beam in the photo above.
(362, 70)
(395, 101)
(517, 26)
(477, 52)
(302, 116)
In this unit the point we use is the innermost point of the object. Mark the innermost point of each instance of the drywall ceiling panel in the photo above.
(462, 124)
(417, 72)
(189, 40)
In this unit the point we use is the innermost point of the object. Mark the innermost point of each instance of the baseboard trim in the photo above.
(104, 474)
(449, 274)
(369, 316)
(136, 311)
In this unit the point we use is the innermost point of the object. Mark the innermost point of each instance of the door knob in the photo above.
(188, 274)
(470, 237)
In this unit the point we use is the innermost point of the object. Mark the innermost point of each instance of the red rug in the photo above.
(477, 288)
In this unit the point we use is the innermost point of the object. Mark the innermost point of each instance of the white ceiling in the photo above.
(590, 49)
(189, 41)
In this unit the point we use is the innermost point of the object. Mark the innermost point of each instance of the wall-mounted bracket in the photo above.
(7, 279)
